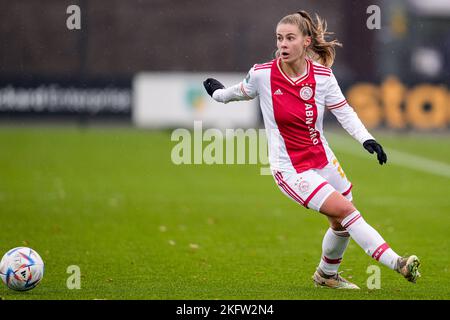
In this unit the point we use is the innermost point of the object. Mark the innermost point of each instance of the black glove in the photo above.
(371, 146)
(212, 85)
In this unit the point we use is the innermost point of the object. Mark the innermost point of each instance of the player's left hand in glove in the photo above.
(212, 85)
(373, 146)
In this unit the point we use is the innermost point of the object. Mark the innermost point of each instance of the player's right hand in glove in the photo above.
(212, 85)
(373, 146)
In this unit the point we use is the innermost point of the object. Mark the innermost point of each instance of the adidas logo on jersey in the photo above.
(278, 92)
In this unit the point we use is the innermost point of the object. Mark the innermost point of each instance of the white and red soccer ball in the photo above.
(21, 269)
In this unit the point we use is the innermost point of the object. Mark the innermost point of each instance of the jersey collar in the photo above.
(308, 66)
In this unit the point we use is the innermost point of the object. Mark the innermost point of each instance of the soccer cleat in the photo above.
(409, 267)
(334, 281)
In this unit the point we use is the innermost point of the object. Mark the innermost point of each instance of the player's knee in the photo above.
(337, 207)
(335, 224)
(344, 209)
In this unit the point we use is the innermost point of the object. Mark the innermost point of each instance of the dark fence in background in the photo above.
(47, 69)
(120, 38)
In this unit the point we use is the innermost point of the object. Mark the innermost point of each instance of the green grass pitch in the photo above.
(110, 201)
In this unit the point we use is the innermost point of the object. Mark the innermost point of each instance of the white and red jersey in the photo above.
(293, 111)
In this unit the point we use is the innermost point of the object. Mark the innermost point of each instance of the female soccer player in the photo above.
(294, 90)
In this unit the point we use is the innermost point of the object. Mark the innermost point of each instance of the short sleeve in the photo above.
(249, 85)
(334, 98)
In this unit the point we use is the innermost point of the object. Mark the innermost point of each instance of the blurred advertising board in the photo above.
(171, 100)
(393, 104)
(43, 98)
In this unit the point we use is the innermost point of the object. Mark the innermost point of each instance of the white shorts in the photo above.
(312, 187)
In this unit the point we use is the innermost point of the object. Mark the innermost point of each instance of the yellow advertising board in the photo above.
(424, 106)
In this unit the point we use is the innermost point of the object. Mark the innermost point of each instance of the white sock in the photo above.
(370, 240)
(333, 246)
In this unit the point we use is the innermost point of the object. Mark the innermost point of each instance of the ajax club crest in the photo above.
(306, 93)
(304, 186)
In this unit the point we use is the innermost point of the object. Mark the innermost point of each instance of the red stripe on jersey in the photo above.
(348, 190)
(262, 65)
(296, 119)
(314, 192)
(337, 105)
(379, 251)
(261, 68)
(321, 70)
(265, 63)
(316, 67)
(322, 74)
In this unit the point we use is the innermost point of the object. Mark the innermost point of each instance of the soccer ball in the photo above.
(21, 269)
